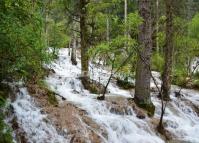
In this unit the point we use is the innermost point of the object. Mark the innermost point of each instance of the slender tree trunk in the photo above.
(69, 48)
(125, 17)
(73, 53)
(45, 23)
(157, 25)
(125, 21)
(107, 29)
(143, 73)
(84, 39)
(168, 52)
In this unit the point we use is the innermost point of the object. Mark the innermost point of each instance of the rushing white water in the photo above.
(35, 124)
(182, 121)
(120, 128)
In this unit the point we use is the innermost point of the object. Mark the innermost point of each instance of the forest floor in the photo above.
(81, 118)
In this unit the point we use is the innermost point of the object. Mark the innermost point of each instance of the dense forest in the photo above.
(99, 71)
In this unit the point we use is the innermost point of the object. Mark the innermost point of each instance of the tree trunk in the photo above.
(168, 52)
(107, 28)
(125, 17)
(73, 53)
(69, 48)
(84, 39)
(157, 25)
(143, 73)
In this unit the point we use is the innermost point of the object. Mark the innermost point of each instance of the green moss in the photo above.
(93, 86)
(52, 98)
(93, 89)
(150, 108)
(42, 84)
(51, 95)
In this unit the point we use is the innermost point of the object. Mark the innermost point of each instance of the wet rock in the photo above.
(20, 135)
(75, 92)
(101, 97)
(140, 115)
(92, 85)
(124, 106)
(178, 94)
(68, 116)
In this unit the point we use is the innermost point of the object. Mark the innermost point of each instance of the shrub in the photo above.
(157, 62)
(5, 132)
(179, 77)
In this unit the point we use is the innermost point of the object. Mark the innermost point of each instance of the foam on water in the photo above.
(120, 128)
(35, 124)
(182, 121)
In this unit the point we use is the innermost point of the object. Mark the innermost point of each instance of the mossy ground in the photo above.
(40, 88)
(93, 86)
(149, 107)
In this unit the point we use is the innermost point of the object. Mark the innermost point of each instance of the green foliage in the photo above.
(186, 45)
(157, 62)
(57, 23)
(2, 101)
(119, 46)
(196, 75)
(134, 20)
(57, 38)
(22, 51)
(196, 84)
(179, 77)
(5, 132)
(114, 51)
(194, 26)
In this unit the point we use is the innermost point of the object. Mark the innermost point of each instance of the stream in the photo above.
(181, 119)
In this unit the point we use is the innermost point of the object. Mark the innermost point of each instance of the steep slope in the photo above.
(111, 121)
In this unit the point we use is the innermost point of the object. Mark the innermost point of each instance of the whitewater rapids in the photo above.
(181, 120)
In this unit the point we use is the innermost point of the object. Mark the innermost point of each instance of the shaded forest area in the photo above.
(129, 38)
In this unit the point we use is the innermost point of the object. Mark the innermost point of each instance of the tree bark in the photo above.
(84, 39)
(125, 17)
(168, 51)
(69, 48)
(157, 25)
(143, 75)
(107, 28)
(73, 53)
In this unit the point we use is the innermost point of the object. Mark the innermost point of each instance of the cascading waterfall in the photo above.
(181, 120)
(36, 126)
(120, 128)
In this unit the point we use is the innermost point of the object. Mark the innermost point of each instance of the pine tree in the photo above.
(168, 51)
(143, 73)
(84, 38)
